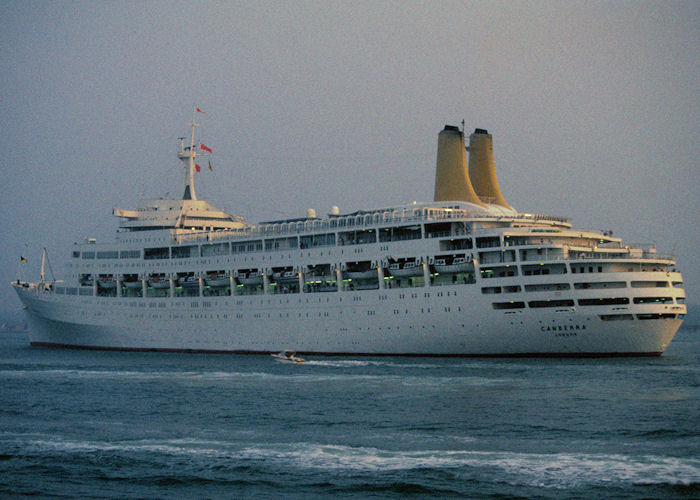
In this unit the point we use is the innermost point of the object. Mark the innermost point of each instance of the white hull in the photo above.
(274, 323)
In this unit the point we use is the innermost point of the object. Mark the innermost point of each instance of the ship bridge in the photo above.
(194, 215)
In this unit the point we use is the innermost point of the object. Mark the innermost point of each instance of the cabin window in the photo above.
(156, 253)
(456, 244)
(438, 229)
(610, 301)
(130, 254)
(498, 272)
(359, 237)
(399, 233)
(543, 269)
(215, 249)
(616, 317)
(279, 244)
(112, 254)
(649, 284)
(551, 303)
(547, 287)
(488, 242)
(508, 305)
(185, 252)
(317, 240)
(656, 316)
(653, 300)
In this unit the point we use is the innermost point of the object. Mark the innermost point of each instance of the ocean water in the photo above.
(84, 424)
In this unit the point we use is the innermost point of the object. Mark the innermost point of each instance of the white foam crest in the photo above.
(187, 447)
(76, 373)
(559, 470)
(549, 470)
(171, 376)
(542, 470)
(567, 470)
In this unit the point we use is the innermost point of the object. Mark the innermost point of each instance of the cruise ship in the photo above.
(463, 275)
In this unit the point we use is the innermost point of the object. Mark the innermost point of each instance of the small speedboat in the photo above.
(288, 357)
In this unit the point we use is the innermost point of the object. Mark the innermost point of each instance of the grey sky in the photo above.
(593, 107)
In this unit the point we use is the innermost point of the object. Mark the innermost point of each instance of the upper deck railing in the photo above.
(369, 219)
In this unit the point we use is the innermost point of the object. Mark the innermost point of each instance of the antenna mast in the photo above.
(187, 155)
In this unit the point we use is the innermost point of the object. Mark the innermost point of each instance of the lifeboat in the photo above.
(250, 277)
(131, 281)
(406, 269)
(217, 279)
(319, 273)
(285, 276)
(159, 281)
(361, 271)
(189, 281)
(453, 265)
(106, 281)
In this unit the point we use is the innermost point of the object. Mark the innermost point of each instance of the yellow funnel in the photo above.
(482, 170)
(451, 175)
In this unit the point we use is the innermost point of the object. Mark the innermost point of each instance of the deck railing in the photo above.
(353, 221)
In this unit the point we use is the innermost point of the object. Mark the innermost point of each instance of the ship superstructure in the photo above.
(465, 274)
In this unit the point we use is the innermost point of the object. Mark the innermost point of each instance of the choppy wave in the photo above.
(558, 470)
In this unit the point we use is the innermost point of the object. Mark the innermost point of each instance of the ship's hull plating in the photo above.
(449, 321)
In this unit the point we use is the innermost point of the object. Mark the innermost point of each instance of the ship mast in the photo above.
(43, 259)
(187, 155)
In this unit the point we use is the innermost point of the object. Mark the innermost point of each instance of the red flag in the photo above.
(197, 168)
(204, 148)
(200, 111)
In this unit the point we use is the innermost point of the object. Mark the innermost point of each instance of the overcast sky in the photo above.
(594, 110)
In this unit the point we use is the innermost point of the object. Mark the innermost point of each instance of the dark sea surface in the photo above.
(86, 424)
